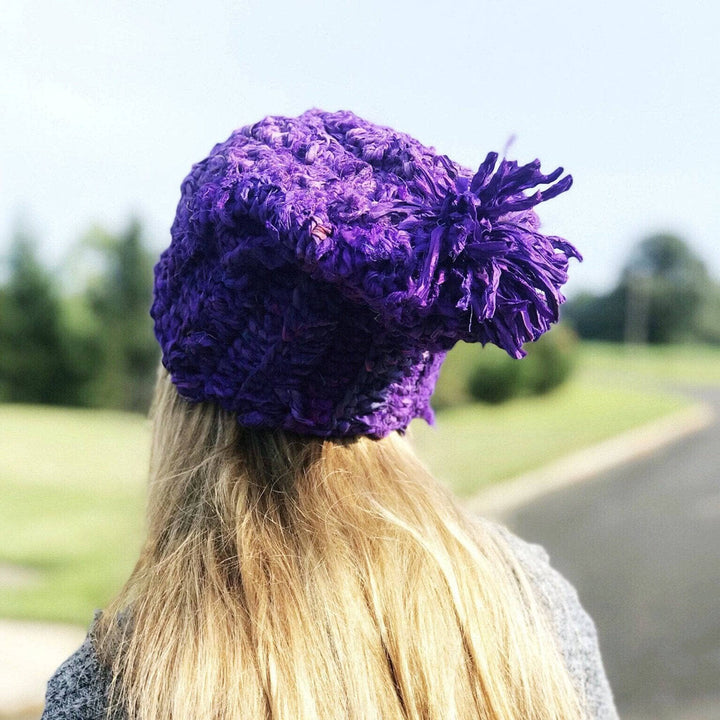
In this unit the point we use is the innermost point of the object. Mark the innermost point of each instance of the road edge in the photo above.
(498, 499)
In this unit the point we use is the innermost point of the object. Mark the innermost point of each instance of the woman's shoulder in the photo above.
(573, 627)
(78, 689)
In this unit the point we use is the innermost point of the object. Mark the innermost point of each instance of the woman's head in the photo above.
(300, 562)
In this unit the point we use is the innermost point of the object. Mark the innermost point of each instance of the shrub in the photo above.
(549, 362)
(496, 377)
(452, 385)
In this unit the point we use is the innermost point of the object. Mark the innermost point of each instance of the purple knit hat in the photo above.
(321, 267)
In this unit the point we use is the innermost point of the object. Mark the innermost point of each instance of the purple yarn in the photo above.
(321, 266)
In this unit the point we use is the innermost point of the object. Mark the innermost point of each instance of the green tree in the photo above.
(665, 286)
(664, 295)
(119, 299)
(36, 352)
(598, 317)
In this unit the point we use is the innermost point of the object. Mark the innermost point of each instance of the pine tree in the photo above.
(120, 300)
(34, 357)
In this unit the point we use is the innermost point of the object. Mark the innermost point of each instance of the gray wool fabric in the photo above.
(78, 690)
(573, 628)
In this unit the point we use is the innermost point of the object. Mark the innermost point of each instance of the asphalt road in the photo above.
(642, 545)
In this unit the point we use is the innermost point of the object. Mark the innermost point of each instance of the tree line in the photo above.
(92, 344)
(664, 294)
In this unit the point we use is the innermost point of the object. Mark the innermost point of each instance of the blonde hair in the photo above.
(307, 579)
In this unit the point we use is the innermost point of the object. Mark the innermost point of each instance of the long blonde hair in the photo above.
(290, 578)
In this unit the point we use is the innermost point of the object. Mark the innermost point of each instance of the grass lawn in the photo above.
(650, 367)
(71, 507)
(473, 445)
(72, 481)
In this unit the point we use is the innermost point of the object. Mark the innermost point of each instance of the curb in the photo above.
(497, 500)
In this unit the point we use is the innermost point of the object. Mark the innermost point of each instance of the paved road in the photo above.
(642, 545)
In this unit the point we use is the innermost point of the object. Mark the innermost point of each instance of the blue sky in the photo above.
(106, 105)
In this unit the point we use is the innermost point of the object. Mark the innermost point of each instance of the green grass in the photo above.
(475, 445)
(72, 487)
(650, 367)
(72, 481)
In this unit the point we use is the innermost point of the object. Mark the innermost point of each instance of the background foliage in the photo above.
(84, 337)
(664, 295)
(91, 345)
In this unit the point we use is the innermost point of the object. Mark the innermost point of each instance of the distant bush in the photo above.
(549, 362)
(471, 373)
(496, 376)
